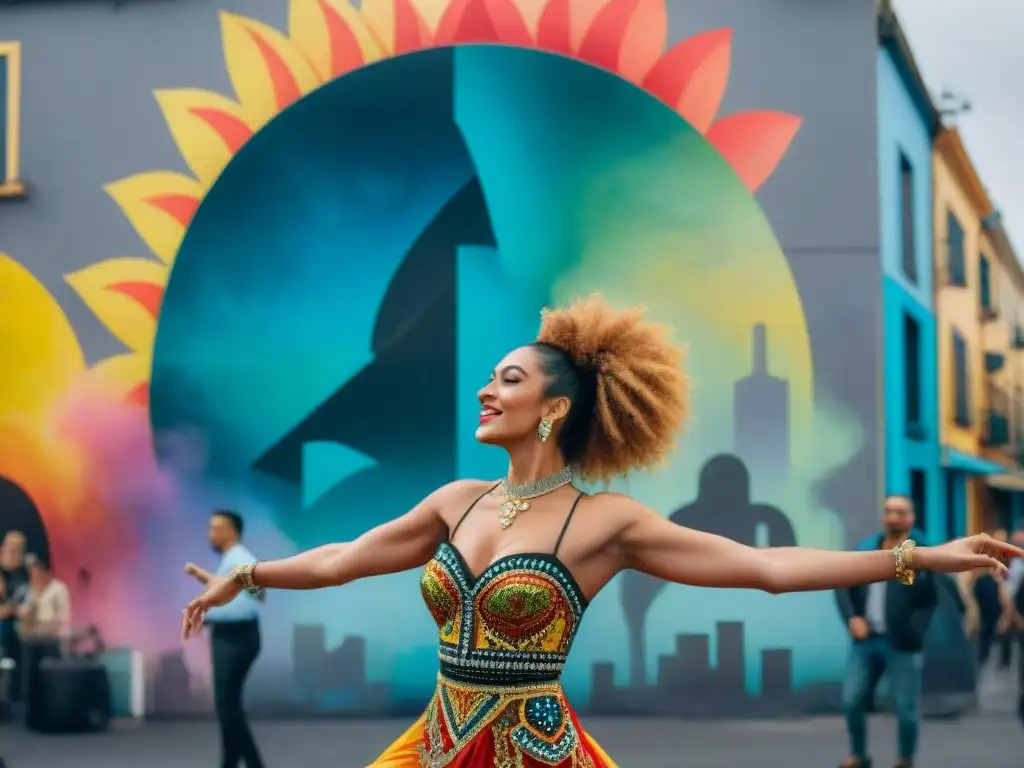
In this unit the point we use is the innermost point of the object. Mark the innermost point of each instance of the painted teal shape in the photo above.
(327, 465)
(491, 322)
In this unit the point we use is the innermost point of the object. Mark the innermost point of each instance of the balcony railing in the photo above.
(988, 313)
(951, 266)
(997, 399)
(997, 430)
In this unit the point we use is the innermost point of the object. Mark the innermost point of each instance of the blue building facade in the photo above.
(906, 126)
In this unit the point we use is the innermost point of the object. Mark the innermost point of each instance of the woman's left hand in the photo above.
(980, 551)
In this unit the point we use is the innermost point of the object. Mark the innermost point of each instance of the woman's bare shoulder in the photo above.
(612, 503)
(609, 510)
(461, 490)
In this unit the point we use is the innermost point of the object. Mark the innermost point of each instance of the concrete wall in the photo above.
(263, 322)
(823, 203)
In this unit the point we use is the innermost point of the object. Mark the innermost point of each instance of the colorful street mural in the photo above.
(377, 213)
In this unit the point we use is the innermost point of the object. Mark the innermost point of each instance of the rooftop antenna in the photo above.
(952, 104)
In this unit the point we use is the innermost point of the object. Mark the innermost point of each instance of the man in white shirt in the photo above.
(234, 640)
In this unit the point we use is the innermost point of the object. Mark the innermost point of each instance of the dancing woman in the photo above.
(511, 566)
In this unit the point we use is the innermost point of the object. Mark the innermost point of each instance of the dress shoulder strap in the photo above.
(565, 527)
(470, 509)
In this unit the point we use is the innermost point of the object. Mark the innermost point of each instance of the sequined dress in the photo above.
(503, 640)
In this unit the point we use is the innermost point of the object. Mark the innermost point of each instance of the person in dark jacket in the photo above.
(887, 626)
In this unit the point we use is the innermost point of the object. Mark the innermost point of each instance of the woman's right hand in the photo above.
(220, 590)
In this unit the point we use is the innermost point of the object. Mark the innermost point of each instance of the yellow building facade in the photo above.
(979, 297)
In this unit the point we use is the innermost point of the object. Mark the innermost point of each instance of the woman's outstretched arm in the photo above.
(649, 543)
(402, 544)
(406, 542)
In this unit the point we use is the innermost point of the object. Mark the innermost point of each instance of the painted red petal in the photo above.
(448, 26)
(411, 31)
(754, 142)
(644, 39)
(147, 295)
(181, 207)
(346, 54)
(506, 19)
(286, 90)
(229, 127)
(602, 45)
(485, 21)
(554, 29)
(691, 78)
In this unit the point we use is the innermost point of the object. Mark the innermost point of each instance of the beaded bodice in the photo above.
(512, 624)
(503, 638)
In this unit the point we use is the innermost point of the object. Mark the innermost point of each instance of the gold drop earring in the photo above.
(544, 429)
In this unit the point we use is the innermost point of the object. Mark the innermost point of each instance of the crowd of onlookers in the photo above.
(994, 609)
(34, 604)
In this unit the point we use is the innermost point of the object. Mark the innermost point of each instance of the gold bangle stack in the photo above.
(242, 576)
(904, 558)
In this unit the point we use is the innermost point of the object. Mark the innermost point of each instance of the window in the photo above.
(955, 251)
(919, 497)
(907, 234)
(985, 285)
(953, 492)
(912, 375)
(10, 107)
(961, 391)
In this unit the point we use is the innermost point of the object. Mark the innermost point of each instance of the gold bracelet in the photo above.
(242, 576)
(904, 557)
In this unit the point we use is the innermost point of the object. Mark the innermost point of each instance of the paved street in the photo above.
(988, 741)
(993, 738)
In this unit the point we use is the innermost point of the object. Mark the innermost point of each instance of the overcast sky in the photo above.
(975, 48)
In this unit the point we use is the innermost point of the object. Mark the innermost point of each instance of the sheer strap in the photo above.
(565, 527)
(470, 509)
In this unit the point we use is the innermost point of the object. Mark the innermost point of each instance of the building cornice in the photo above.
(950, 148)
(892, 37)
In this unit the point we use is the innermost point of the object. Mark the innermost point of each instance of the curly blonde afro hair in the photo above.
(631, 397)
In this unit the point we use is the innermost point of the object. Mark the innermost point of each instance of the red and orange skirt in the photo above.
(469, 726)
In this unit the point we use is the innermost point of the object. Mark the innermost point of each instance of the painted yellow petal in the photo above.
(333, 35)
(379, 16)
(36, 464)
(118, 378)
(430, 11)
(208, 128)
(125, 294)
(267, 70)
(160, 205)
(41, 354)
(531, 11)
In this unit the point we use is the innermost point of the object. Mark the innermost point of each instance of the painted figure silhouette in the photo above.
(722, 507)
